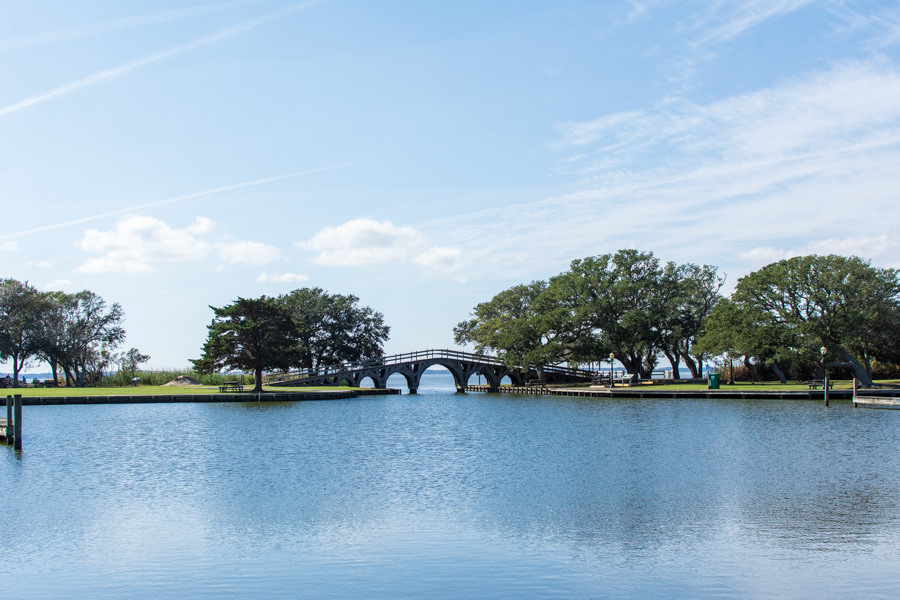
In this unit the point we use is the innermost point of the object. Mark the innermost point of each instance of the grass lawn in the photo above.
(151, 390)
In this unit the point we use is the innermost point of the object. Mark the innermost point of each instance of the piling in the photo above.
(13, 431)
(17, 427)
(825, 388)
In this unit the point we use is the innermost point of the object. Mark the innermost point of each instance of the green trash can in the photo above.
(713, 381)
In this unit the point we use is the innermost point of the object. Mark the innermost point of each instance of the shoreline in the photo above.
(203, 398)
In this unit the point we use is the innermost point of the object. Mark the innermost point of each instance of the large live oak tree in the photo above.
(788, 310)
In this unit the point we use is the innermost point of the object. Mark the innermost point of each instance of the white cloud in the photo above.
(249, 253)
(365, 241)
(135, 243)
(9, 246)
(880, 249)
(281, 278)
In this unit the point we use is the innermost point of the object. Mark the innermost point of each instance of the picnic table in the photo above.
(231, 386)
(815, 384)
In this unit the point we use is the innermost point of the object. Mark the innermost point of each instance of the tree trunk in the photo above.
(16, 368)
(675, 361)
(691, 365)
(859, 371)
(257, 380)
(778, 373)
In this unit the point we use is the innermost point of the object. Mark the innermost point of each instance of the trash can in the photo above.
(713, 381)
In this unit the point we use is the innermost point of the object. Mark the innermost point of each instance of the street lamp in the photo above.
(612, 357)
(824, 351)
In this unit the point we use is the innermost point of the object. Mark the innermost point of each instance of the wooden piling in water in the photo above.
(12, 432)
(9, 419)
(17, 426)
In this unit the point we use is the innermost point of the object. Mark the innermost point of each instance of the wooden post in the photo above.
(9, 418)
(825, 388)
(854, 393)
(17, 432)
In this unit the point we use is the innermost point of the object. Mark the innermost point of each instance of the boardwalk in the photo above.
(411, 366)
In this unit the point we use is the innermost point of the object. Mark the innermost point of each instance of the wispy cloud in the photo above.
(152, 58)
(72, 33)
(879, 25)
(366, 241)
(809, 164)
(727, 19)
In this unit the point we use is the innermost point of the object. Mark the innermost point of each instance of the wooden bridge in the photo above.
(462, 365)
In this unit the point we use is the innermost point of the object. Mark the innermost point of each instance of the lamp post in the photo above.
(612, 357)
(824, 351)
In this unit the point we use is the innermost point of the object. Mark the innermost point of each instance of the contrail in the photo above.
(254, 182)
(130, 66)
(210, 192)
(73, 33)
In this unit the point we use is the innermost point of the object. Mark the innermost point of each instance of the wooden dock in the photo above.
(876, 402)
(639, 391)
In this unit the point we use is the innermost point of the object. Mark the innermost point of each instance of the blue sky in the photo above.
(424, 156)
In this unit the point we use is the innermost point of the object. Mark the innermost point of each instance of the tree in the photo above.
(786, 311)
(21, 308)
(252, 334)
(131, 360)
(684, 320)
(518, 325)
(619, 303)
(90, 329)
(332, 329)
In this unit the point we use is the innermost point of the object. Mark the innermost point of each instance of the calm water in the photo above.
(446, 496)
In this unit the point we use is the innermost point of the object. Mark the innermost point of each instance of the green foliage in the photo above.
(332, 329)
(20, 314)
(76, 331)
(164, 376)
(627, 303)
(519, 324)
(249, 334)
(784, 313)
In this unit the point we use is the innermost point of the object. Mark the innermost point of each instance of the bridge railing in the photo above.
(408, 357)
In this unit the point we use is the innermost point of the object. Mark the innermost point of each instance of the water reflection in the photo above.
(455, 495)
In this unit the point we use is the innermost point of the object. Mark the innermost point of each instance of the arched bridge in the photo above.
(462, 365)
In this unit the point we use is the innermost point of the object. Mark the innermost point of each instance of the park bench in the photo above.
(231, 386)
